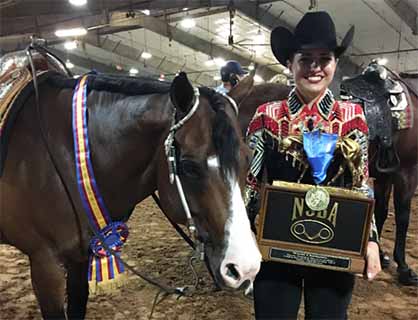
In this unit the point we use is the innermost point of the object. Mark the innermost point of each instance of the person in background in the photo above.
(231, 74)
(311, 53)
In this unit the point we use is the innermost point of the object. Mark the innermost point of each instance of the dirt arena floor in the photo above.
(155, 248)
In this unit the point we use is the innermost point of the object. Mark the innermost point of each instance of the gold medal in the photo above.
(317, 198)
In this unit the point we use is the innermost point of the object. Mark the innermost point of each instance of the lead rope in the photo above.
(170, 151)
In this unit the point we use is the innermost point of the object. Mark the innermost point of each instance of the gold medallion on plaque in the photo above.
(317, 198)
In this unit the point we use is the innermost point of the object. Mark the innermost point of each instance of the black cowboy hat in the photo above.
(314, 30)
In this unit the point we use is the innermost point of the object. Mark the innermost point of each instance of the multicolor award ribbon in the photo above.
(105, 270)
(319, 148)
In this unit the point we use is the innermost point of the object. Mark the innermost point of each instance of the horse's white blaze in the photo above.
(213, 162)
(242, 250)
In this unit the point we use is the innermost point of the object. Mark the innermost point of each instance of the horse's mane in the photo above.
(113, 83)
(224, 136)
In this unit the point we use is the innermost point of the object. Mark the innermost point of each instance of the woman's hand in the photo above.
(372, 261)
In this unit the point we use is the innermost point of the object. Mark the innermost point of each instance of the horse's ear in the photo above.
(242, 89)
(181, 92)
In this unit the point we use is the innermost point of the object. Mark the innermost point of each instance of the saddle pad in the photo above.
(10, 106)
(9, 90)
(405, 117)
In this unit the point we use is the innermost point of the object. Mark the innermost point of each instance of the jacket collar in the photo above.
(324, 103)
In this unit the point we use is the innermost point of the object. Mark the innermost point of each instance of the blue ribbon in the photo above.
(319, 148)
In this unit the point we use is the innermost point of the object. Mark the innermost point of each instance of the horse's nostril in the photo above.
(232, 272)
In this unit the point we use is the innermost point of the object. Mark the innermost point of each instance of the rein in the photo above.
(170, 151)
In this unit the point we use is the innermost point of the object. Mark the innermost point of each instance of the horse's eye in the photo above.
(190, 169)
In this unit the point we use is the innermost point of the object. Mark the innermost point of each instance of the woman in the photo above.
(311, 53)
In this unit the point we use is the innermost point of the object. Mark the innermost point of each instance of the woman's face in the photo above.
(313, 71)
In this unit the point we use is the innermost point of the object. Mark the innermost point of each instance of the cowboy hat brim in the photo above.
(284, 44)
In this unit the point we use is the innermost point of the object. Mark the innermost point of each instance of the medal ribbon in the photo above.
(319, 148)
(103, 265)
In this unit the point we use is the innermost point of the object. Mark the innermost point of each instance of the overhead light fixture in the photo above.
(209, 63)
(259, 38)
(220, 62)
(185, 9)
(223, 34)
(382, 61)
(78, 3)
(146, 12)
(133, 71)
(69, 64)
(217, 78)
(221, 21)
(74, 32)
(222, 28)
(70, 45)
(258, 79)
(188, 23)
(146, 55)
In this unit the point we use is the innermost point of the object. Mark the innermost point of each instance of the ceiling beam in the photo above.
(156, 66)
(159, 26)
(188, 39)
(63, 7)
(407, 13)
(86, 63)
(260, 14)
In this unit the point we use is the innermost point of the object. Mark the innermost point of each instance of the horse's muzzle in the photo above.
(237, 275)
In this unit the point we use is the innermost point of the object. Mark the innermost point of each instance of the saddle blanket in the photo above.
(9, 90)
(14, 79)
(401, 107)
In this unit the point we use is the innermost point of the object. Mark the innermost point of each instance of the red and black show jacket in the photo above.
(276, 120)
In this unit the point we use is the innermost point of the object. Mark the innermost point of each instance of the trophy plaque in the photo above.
(315, 226)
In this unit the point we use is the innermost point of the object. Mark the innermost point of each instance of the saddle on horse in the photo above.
(387, 106)
(15, 76)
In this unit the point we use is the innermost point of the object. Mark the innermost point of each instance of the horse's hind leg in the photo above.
(48, 281)
(405, 184)
(382, 188)
(77, 290)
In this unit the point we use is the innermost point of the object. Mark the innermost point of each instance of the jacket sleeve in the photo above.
(360, 134)
(256, 142)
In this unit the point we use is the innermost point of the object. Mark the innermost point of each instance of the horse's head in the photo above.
(373, 88)
(211, 162)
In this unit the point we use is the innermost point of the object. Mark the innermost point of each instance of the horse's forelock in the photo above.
(226, 143)
(224, 135)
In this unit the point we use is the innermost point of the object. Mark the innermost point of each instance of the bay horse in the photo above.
(378, 90)
(128, 121)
